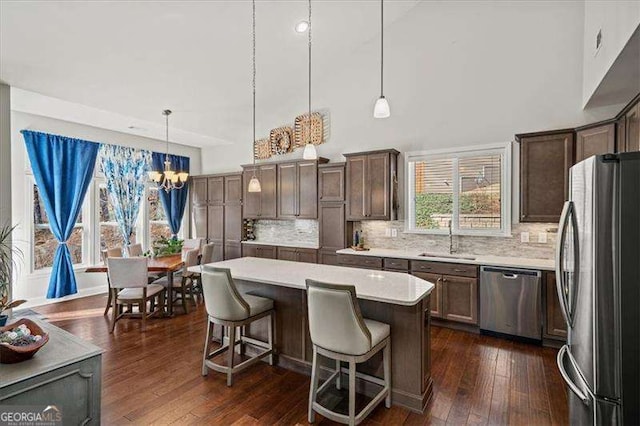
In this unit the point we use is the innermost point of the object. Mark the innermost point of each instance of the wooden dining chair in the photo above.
(183, 283)
(129, 286)
(207, 257)
(112, 252)
(134, 250)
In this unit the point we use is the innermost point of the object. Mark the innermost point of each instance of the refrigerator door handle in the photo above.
(561, 288)
(564, 351)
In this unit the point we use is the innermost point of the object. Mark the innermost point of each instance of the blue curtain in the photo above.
(174, 201)
(62, 168)
(125, 170)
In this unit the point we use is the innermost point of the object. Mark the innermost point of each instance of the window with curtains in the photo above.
(43, 242)
(467, 190)
(108, 228)
(158, 224)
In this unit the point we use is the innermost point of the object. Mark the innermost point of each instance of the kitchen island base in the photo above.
(410, 342)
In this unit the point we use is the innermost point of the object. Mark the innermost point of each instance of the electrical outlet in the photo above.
(394, 233)
(387, 232)
(524, 237)
(542, 237)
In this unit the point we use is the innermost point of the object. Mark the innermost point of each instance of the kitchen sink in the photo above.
(447, 256)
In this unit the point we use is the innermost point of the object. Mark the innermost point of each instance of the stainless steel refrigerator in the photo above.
(598, 276)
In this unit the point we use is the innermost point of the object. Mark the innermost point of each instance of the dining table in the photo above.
(167, 264)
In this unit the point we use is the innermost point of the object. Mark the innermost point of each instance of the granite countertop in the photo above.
(485, 260)
(381, 286)
(297, 245)
(62, 349)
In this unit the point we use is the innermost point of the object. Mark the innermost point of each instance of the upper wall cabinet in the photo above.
(199, 190)
(372, 185)
(545, 159)
(632, 129)
(331, 182)
(298, 190)
(595, 141)
(260, 205)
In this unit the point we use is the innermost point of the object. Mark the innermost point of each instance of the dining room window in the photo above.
(158, 223)
(44, 243)
(465, 190)
(108, 228)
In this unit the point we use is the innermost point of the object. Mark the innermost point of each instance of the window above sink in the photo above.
(466, 191)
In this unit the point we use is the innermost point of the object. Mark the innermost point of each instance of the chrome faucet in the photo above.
(451, 250)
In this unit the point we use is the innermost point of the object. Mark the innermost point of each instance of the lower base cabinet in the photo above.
(298, 254)
(460, 299)
(436, 295)
(555, 326)
(261, 251)
(328, 257)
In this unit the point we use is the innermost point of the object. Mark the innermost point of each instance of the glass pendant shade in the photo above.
(154, 176)
(310, 152)
(254, 185)
(381, 109)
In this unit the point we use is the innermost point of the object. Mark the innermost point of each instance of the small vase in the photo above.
(3, 320)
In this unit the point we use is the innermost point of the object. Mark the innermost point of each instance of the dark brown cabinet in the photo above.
(555, 325)
(297, 190)
(331, 183)
(259, 250)
(460, 299)
(371, 185)
(632, 129)
(455, 296)
(435, 303)
(545, 160)
(217, 213)
(595, 141)
(260, 205)
(332, 228)
(298, 254)
(357, 261)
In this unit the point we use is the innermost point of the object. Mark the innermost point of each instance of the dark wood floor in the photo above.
(154, 377)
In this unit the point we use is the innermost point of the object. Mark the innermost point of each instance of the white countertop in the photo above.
(380, 286)
(510, 262)
(297, 245)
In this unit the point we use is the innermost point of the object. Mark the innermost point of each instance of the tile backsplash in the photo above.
(299, 231)
(374, 233)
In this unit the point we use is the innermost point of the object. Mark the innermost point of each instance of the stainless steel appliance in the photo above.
(598, 277)
(510, 302)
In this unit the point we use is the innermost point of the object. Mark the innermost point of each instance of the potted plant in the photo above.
(8, 256)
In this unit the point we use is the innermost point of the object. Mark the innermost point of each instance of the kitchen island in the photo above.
(400, 300)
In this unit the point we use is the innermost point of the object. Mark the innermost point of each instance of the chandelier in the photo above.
(168, 179)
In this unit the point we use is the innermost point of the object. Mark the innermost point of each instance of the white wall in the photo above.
(5, 156)
(617, 20)
(456, 74)
(33, 286)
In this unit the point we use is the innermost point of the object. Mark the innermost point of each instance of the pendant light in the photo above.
(254, 183)
(381, 109)
(309, 152)
(168, 179)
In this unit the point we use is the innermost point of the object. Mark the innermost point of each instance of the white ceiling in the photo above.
(130, 60)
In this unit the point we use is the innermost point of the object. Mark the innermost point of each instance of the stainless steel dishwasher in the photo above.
(511, 302)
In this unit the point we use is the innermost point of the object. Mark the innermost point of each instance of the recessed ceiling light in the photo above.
(302, 26)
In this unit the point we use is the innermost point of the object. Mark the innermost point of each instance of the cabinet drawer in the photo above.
(396, 264)
(456, 269)
(360, 261)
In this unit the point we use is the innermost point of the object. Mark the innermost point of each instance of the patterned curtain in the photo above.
(63, 168)
(125, 170)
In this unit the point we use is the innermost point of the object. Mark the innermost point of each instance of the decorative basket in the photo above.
(281, 140)
(262, 149)
(11, 354)
(302, 133)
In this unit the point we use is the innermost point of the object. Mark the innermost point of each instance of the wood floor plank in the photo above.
(154, 378)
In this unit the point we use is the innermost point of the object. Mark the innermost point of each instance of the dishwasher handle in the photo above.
(510, 276)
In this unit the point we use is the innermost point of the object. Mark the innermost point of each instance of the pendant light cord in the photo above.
(381, 48)
(309, 118)
(253, 154)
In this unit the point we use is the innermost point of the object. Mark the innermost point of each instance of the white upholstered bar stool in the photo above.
(338, 331)
(227, 307)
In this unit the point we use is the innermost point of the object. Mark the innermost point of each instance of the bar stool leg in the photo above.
(352, 393)
(231, 350)
(272, 319)
(339, 377)
(207, 345)
(386, 355)
(314, 386)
